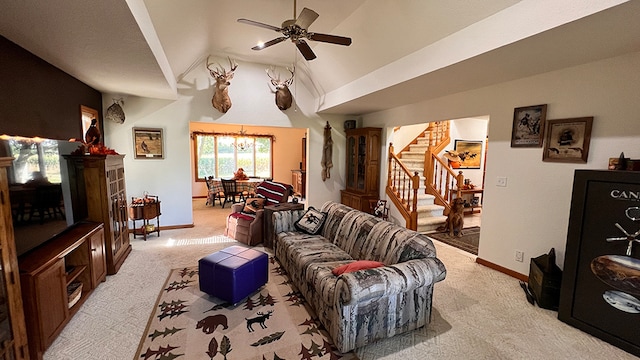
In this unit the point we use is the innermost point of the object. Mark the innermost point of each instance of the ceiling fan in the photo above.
(296, 31)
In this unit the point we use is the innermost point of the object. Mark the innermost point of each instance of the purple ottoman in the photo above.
(233, 273)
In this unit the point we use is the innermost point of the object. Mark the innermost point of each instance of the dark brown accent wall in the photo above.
(38, 99)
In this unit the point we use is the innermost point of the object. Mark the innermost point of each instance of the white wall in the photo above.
(531, 213)
(470, 129)
(253, 104)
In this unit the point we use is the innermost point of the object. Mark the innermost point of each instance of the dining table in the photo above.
(248, 185)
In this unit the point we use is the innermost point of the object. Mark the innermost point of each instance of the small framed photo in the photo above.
(148, 143)
(568, 140)
(528, 126)
(470, 152)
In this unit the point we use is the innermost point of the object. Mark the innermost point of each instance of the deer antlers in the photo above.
(221, 100)
(283, 95)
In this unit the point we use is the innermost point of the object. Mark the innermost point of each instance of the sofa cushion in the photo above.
(303, 249)
(311, 222)
(252, 205)
(335, 213)
(355, 266)
(242, 216)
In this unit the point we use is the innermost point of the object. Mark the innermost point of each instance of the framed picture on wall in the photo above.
(88, 116)
(528, 126)
(148, 143)
(568, 140)
(470, 152)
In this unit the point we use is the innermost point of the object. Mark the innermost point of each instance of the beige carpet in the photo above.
(478, 313)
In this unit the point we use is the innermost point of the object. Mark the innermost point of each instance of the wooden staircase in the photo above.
(419, 182)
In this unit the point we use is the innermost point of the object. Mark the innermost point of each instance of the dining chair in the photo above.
(230, 189)
(212, 194)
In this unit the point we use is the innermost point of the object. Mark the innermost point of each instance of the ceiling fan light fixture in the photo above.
(296, 31)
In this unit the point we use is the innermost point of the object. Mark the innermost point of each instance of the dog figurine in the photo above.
(455, 219)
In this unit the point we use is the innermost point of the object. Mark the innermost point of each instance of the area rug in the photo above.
(468, 242)
(273, 323)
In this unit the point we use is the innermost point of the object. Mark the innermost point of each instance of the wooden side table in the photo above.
(145, 212)
(471, 206)
(267, 221)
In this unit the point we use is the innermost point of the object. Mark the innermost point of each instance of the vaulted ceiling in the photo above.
(402, 51)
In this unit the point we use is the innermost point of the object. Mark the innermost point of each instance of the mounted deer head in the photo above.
(221, 100)
(283, 95)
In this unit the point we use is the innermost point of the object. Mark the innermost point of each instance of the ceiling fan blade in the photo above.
(305, 50)
(333, 39)
(306, 18)
(269, 43)
(259, 24)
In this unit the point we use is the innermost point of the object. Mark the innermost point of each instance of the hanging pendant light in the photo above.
(242, 141)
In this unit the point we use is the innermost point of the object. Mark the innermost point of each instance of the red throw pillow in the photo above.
(355, 266)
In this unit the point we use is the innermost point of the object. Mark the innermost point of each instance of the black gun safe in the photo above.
(600, 291)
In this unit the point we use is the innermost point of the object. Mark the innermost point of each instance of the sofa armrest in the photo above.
(237, 207)
(283, 221)
(372, 284)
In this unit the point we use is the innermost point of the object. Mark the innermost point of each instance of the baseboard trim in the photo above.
(502, 269)
(171, 227)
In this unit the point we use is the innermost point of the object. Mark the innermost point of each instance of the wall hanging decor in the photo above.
(567, 140)
(470, 153)
(115, 112)
(284, 99)
(148, 143)
(221, 100)
(528, 126)
(327, 153)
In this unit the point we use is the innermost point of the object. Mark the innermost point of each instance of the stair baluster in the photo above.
(440, 180)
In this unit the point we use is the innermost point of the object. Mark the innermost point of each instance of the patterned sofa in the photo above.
(360, 307)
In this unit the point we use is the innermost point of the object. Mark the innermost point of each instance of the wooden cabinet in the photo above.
(472, 200)
(13, 333)
(362, 168)
(299, 181)
(102, 177)
(49, 273)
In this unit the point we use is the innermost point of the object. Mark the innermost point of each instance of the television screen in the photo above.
(39, 189)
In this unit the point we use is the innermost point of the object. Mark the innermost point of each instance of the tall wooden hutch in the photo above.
(363, 168)
(13, 332)
(102, 177)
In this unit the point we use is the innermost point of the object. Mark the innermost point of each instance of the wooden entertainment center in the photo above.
(73, 260)
(58, 276)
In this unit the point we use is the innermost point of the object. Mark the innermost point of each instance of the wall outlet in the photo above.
(519, 255)
(501, 181)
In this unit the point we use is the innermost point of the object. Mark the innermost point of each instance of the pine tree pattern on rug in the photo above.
(273, 323)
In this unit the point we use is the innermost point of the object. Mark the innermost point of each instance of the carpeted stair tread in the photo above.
(432, 220)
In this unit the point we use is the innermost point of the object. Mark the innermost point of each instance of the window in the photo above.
(34, 159)
(220, 155)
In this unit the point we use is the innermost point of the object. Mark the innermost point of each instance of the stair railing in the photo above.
(439, 135)
(440, 180)
(402, 189)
